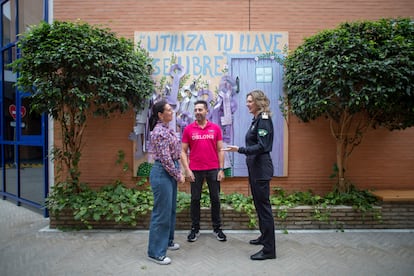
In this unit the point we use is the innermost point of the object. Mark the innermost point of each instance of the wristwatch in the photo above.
(221, 169)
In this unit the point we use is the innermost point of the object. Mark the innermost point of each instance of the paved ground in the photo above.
(29, 247)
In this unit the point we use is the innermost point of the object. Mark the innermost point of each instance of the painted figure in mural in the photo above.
(259, 140)
(189, 97)
(222, 113)
(138, 135)
(164, 175)
(203, 159)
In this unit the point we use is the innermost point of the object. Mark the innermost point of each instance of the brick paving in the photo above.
(29, 247)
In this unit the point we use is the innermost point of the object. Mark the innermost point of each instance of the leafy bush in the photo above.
(114, 202)
(124, 205)
(73, 70)
(359, 76)
(144, 169)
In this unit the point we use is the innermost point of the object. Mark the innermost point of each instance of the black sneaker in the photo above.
(192, 237)
(220, 235)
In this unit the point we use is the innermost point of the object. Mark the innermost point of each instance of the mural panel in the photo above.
(220, 67)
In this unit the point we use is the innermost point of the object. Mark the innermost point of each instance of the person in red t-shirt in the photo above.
(203, 159)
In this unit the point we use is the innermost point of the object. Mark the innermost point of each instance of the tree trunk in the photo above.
(340, 162)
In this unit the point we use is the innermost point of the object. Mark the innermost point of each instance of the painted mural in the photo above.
(221, 68)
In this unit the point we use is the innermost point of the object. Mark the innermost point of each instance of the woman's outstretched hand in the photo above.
(231, 148)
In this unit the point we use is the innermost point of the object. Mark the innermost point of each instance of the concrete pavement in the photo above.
(29, 247)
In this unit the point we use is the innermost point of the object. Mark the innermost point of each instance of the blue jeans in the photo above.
(162, 226)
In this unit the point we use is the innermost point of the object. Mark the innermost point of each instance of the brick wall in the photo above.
(383, 160)
(393, 216)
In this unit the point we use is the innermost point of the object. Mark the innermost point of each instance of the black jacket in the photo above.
(259, 136)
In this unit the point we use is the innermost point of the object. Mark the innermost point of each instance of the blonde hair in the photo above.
(261, 100)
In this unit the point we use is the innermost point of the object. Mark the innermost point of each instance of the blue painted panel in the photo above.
(245, 69)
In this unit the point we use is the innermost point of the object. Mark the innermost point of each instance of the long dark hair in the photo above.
(156, 108)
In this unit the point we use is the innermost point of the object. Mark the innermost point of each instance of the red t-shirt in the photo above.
(203, 145)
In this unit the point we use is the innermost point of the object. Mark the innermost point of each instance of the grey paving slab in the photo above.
(29, 247)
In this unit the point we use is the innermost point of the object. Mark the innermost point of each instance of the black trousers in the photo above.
(214, 190)
(260, 171)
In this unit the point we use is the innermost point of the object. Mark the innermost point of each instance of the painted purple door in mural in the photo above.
(264, 74)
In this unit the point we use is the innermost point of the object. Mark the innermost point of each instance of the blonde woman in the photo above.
(259, 141)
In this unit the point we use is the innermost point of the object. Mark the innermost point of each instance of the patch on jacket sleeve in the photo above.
(262, 132)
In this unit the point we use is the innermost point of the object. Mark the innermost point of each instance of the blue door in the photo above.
(23, 134)
(266, 75)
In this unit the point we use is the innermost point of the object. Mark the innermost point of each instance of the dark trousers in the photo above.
(214, 190)
(259, 170)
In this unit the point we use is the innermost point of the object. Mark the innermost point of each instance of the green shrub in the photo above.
(124, 205)
(144, 169)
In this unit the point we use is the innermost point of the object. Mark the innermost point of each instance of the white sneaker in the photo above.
(174, 246)
(163, 260)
